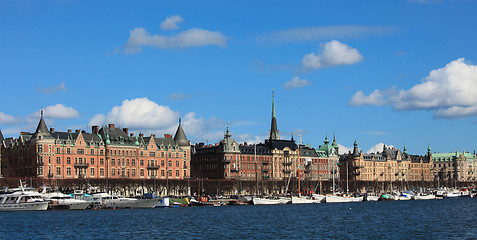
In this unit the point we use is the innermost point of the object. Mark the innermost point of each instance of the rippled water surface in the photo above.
(426, 219)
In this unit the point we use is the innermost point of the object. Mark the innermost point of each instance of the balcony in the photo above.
(152, 166)
(265, 163)
(266, 177)
(265, 170)
(235, 169)
(288, 163)
(81, 165)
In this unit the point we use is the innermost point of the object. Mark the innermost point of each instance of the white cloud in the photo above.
(146, 116)
(296, 82)
(195, 37)
(171, 22)
(449, 92)
(344, 150)
(310, 34)
(378, 148)
(139, 113)
(179, 96)
(8, 119)
(333, 53)
(59, 111)
(60, 88)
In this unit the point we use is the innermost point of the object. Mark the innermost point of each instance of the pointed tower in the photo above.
(42, 129)
(274, 129)
(335, 144)
(355, 149)
(180, 137)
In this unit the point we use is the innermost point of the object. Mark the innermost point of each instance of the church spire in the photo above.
(274, 129)
(42, 128)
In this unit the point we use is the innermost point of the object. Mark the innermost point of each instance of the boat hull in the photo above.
(268, 201)
(340, 199)
(30, 206)
(305, 200)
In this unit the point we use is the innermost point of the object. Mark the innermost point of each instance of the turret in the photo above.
(355, 149)
(180, 137)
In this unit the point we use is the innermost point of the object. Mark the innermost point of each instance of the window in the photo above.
(162, 154)
(101, 161)
(112, 162)
(101, 172)
(152, 154)
(141, 162)
(185, 173)
(68, 151)
(58, 171)
(80, 151)
(92, 161)
(127, 161)
(101, 152)
(177, 173)
(92, 151)
(162, 173)
(133, 162)
(142, 154)
(68, 171)
(58, 150)
(162, 163)
(133, 172)
(113, 171)
(185, 154)
(142, 172)
(58, 160)
(169, 163)
(68, 160)
(177, 163)
(92, 172)
(170, 173)
(185, 164)
(40, 148)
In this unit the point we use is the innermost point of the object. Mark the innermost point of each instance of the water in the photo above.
(426, 219)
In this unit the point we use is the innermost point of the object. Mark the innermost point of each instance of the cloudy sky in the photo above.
(400, 73)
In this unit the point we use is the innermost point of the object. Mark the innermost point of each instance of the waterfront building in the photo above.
(454, 166)
(331, 153)
(276, 159)
(109, 152)
(390, 165)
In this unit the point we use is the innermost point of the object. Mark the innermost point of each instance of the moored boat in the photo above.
(339, 199)
(59, 200)
(306, 199)
(22, 201)
(270, 201)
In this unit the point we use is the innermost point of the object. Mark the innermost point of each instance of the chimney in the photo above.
(153, 135)
(52, 129)
(94, 129)
(111, 125)
(168, 136)
(69, 130)
(126, 130)
(77, 131)
(141, 135)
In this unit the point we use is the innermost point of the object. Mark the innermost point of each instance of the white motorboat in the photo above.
(315, 198)
(424, 196)
(270, 201)
(59, 200)
(452, 194)
(104, 200)
(22, 201)
(338, 199)
(372, 198)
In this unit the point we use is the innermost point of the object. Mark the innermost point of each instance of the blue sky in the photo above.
(393, 72)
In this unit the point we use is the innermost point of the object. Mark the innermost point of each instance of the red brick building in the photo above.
(108, 152)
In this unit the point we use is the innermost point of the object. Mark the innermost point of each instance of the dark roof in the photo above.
(1, 138)
(180, 137)
(42, 128)
(307, 152)
(281, 144)
(116, 136)
(250, 149)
